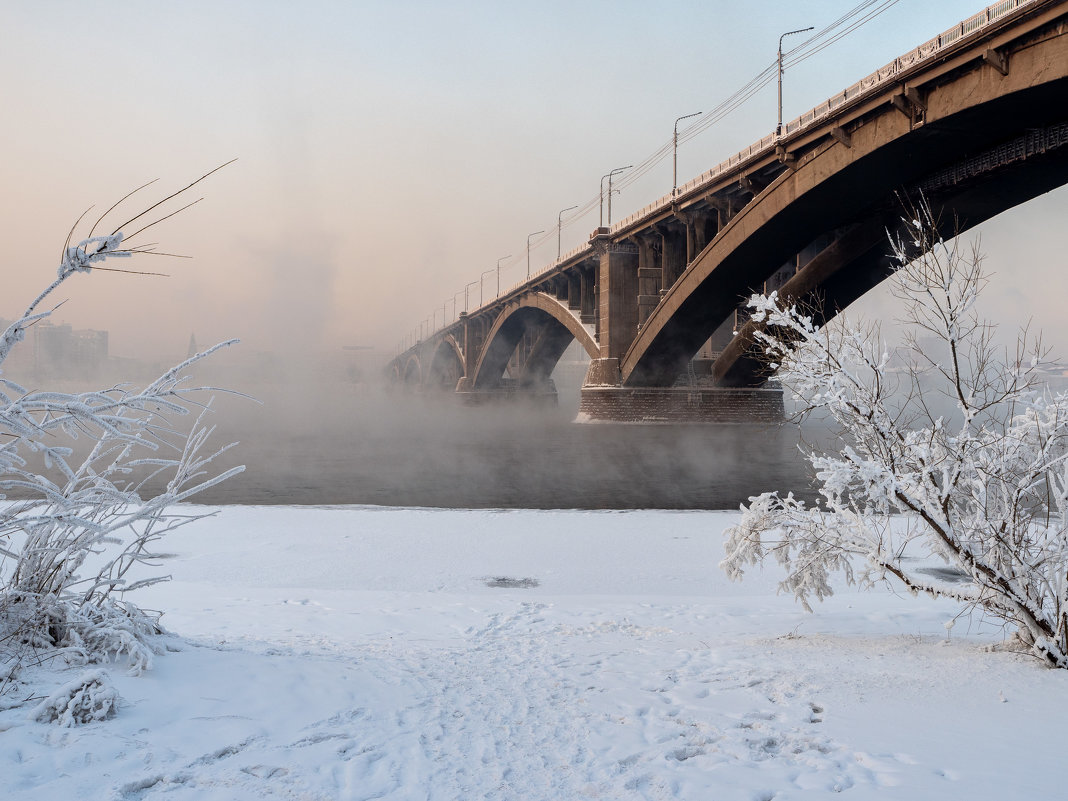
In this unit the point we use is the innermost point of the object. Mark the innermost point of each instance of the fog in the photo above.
(364, 443)
(389, 155)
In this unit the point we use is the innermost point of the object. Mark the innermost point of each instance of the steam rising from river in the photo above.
(358, 442)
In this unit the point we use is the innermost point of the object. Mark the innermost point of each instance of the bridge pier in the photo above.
(975, 121)
(617, 299)
(508, 390)
(681, 404)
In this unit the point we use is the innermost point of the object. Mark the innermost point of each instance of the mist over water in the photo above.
(362, 444)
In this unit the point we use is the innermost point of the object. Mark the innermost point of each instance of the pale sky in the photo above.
(390, 152)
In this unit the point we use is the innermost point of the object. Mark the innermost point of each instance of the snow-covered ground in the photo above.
(358, 653)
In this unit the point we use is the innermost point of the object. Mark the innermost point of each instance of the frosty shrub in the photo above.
(980, 487)
(82, 534)
(89, 698)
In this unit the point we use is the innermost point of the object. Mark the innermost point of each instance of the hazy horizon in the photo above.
(388, 155)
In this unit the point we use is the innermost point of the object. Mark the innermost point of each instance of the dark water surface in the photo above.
(364, 446)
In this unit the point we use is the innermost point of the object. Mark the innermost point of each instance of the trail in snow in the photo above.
(374, 661)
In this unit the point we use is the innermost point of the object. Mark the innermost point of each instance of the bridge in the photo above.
(975, 119)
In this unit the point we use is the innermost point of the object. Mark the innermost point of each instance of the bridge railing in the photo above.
(864, 86)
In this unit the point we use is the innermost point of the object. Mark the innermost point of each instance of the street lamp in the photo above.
(609, 177)
(559, 225)
(675, 153)
(778, 126)
(528, 250)
(465, 294)
(502, 258)
(482, 278)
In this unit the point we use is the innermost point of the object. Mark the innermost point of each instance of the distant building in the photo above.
(58, 351)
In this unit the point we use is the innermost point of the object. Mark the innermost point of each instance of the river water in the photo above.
(361, 445)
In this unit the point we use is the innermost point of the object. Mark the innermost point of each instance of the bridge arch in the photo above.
(446, 364)
(986, 142)
(413, 371)
(556, 326)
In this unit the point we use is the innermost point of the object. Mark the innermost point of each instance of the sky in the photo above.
(389, 153)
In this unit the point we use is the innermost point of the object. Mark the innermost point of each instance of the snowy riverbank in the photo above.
(368, 652)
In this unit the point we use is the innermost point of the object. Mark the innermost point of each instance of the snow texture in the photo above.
(359, 653)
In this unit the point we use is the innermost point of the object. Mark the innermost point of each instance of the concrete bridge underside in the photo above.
(547, 325)
(980, 129)
(852, 196)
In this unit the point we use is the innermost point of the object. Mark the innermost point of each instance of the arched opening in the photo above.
(526, 343)
(990, 155)
(447, 365)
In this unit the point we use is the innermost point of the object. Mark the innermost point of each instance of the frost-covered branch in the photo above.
(95, 476)
(982, 487)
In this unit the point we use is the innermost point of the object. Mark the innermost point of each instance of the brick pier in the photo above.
(682, 404)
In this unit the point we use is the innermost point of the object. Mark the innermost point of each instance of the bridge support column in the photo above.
(587, 294)
(673, 256)
(574, 290)
(617, 298)
(680, 404)
(560, 288)
(704, 225)
(471, 349)
(649, 275)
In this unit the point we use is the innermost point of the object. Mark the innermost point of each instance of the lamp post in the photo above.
(502, 258)
(609, 177)
(778, 126)
(559, 226)
(675, 153)
(481, 279)
(528, 250)
(465, 294)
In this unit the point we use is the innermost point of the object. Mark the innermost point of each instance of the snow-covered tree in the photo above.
(79, 533)
(981, 486)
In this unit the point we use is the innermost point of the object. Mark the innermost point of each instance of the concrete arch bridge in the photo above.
(976, 119)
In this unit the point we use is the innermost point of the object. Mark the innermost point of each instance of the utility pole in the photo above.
(609, 177)
(481, 280)
(675, 153)
(502, 258)
(559, 226)
(778, 126)
(528, 250)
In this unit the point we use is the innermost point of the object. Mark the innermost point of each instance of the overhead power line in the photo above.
(846, 24)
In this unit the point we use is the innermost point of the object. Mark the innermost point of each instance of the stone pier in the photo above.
(682, 404)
